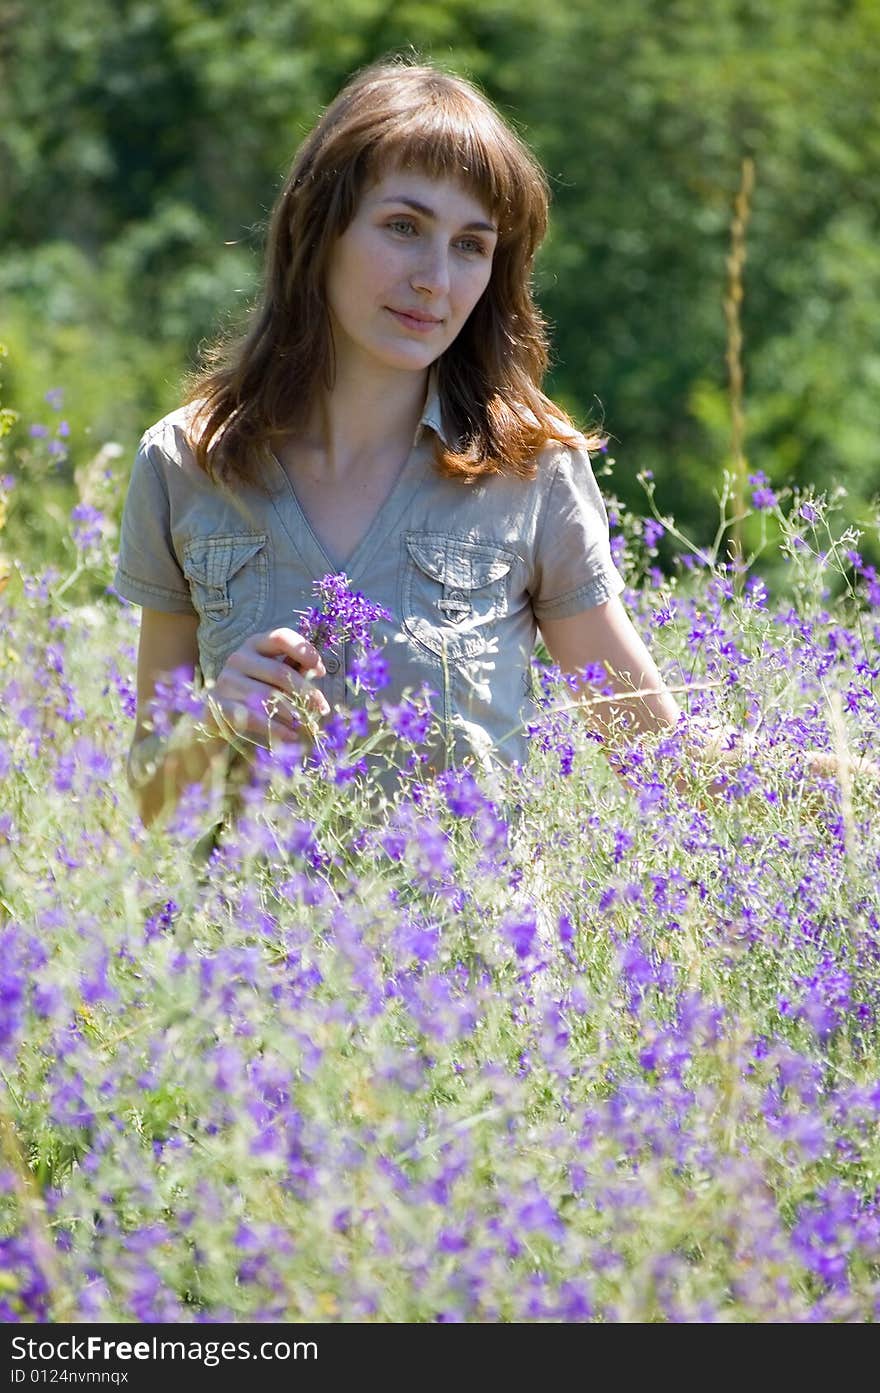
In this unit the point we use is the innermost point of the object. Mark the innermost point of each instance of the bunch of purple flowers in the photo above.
(343, 615)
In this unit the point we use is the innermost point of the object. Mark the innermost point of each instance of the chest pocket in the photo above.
(454, 592)
(229, 580)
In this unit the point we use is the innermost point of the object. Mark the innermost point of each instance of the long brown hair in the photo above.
(395, 114)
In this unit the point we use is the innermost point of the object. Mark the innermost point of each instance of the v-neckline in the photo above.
(387, 515)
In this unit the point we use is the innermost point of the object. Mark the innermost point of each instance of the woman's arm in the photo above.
(157, 774)
(605, 634)
(247, 700)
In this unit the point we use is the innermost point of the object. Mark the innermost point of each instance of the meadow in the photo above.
(573, 1043)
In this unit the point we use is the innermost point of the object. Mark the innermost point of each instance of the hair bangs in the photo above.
(444, 133)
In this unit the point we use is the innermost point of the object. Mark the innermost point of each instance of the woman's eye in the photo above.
(472, 246)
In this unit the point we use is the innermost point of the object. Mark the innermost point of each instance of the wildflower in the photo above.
(411, 719)
(13, 982)
(537, 1215)
(87, 529)
(763, 497)
(342, 616)
(636, 970)
(663, 615)
(521, 934)
(175, 695)
(756, 592)
(463, 795)
(161, 921)
(451, 1240)
(369, 670)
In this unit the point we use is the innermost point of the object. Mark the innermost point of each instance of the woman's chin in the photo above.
(410, 357)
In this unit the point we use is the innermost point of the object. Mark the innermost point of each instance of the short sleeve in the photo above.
(573, 566)
(148, 572)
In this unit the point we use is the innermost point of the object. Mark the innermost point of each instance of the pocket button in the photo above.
(331, 663)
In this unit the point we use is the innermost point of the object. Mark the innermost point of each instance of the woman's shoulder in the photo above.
(562, 440)
(569, 452)
(169, 441)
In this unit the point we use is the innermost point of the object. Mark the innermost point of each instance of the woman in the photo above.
(383, 415)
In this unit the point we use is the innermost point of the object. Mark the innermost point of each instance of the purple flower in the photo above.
(30, 1287)
(636, 969)
(175, 695)
(451, 1241)
(370, 670)
(47, 1000)
(411, 720)
(763, 497)
(160, 922)
(12, 990)
(537, 1215)
(520, 933)
(575, 1303)
(228, 1068)
(596, 675)
(87, 527)
(756, 591)
(342, 616)
(463, 795)
(618, 549)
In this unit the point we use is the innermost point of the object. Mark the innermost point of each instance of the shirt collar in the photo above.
(432, 416)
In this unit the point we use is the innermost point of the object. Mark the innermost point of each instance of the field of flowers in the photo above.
(571, 1045)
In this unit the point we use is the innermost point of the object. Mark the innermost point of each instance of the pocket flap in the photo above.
(213, 561)
(455, 563)
(429, 554)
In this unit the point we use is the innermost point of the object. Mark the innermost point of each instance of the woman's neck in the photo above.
(364, 418)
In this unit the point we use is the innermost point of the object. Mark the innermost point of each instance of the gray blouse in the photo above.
(467, 571)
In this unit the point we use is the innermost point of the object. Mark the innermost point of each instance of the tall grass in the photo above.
(557, 1044)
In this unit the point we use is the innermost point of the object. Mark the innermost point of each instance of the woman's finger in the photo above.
(281, 677)
(236, 719)
(292, 647)
(247, 705)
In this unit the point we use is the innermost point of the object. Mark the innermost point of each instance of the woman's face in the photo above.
(408, 270)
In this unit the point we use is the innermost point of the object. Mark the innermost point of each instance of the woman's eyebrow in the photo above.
(429, 213)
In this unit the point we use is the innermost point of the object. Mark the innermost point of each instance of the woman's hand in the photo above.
(264, 690)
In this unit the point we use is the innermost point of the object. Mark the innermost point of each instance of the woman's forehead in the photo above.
(441, 193)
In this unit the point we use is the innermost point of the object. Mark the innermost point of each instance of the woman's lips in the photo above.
(421, 326)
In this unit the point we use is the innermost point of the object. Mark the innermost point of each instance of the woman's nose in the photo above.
(432, 272)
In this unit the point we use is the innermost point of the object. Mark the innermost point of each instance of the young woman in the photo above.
(383, 416)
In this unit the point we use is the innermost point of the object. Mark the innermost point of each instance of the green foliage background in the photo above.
(142, 142)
